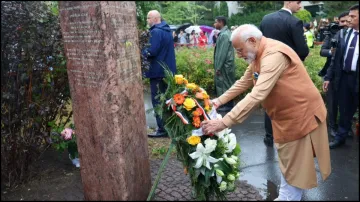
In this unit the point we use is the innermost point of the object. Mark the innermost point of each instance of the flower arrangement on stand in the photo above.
(65, 139)
(210, 160)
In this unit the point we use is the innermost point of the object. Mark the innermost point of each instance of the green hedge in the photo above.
(197, 66)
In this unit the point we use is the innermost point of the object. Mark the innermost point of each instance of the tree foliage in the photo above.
(221, 10)
(260, 6)
(334, 8)
(183, 11)
(209, 17)
(34, 83)
(303, 15)
(142, 9)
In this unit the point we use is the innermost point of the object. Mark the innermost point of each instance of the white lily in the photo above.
(230, 142)
(202, 154)
(210, 145)
(222, 133)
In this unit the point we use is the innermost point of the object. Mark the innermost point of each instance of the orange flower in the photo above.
(205, 95)
(179, 99)
(199, 111)
(196, 113)
(207, 102)
(196, 121)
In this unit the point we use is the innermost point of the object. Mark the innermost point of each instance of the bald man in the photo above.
(297, 111)
(161, 51)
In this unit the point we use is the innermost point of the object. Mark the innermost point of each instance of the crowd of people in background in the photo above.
(197, 40)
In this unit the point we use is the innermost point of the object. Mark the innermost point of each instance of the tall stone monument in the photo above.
(103, 64)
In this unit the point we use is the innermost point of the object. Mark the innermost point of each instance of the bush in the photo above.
(314, 63)
(34, 83)
(197, 66)
(303, 15)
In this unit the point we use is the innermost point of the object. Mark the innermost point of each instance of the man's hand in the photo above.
(212, 126)
(325, 86)
(215, 103)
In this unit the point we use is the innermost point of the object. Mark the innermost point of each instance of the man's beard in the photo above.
(250, 58)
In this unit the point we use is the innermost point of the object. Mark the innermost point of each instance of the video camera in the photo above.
(331, 29)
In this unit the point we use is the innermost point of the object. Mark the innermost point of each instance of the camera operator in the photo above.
(321, 30)
(327, 50)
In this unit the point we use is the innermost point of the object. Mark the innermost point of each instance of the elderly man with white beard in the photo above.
(297, 111)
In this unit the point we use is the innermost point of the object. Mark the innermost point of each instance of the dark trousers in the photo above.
(268, 126)
(348, 103)
(157, 86)
(332, 105)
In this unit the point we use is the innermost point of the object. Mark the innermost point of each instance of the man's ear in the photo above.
(252, 40)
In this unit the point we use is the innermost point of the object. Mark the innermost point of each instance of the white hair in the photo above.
(246, 31)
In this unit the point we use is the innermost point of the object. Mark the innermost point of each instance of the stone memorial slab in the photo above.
(103, 65)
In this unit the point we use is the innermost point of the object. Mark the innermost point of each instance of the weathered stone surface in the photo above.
(103, 64)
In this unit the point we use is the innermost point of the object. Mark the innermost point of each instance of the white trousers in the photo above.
(288, 192)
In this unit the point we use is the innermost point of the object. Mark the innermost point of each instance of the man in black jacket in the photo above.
(326, 51)
(284, 27)
(344, 72)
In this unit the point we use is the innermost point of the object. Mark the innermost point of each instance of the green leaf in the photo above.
(55, 10)
(207, 176)
(237, 150)
(226, 168)
(51, 124)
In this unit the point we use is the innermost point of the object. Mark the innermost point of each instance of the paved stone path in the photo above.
(61, 181)
(174, 185)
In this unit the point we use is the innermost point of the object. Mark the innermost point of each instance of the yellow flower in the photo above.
(191, 86)
(205, 95)
(207, 108)
(189, 104)
(186, 81)
(193, 140)
(179, 79)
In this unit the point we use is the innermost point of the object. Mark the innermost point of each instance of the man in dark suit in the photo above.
(284, 27)
(344, 72)
(327, 51)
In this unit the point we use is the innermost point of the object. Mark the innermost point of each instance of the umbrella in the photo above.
(206, 28)
(182, 27)
(191, 28)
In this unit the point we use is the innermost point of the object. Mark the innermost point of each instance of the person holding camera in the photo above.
(344, 73)
(327, 50)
